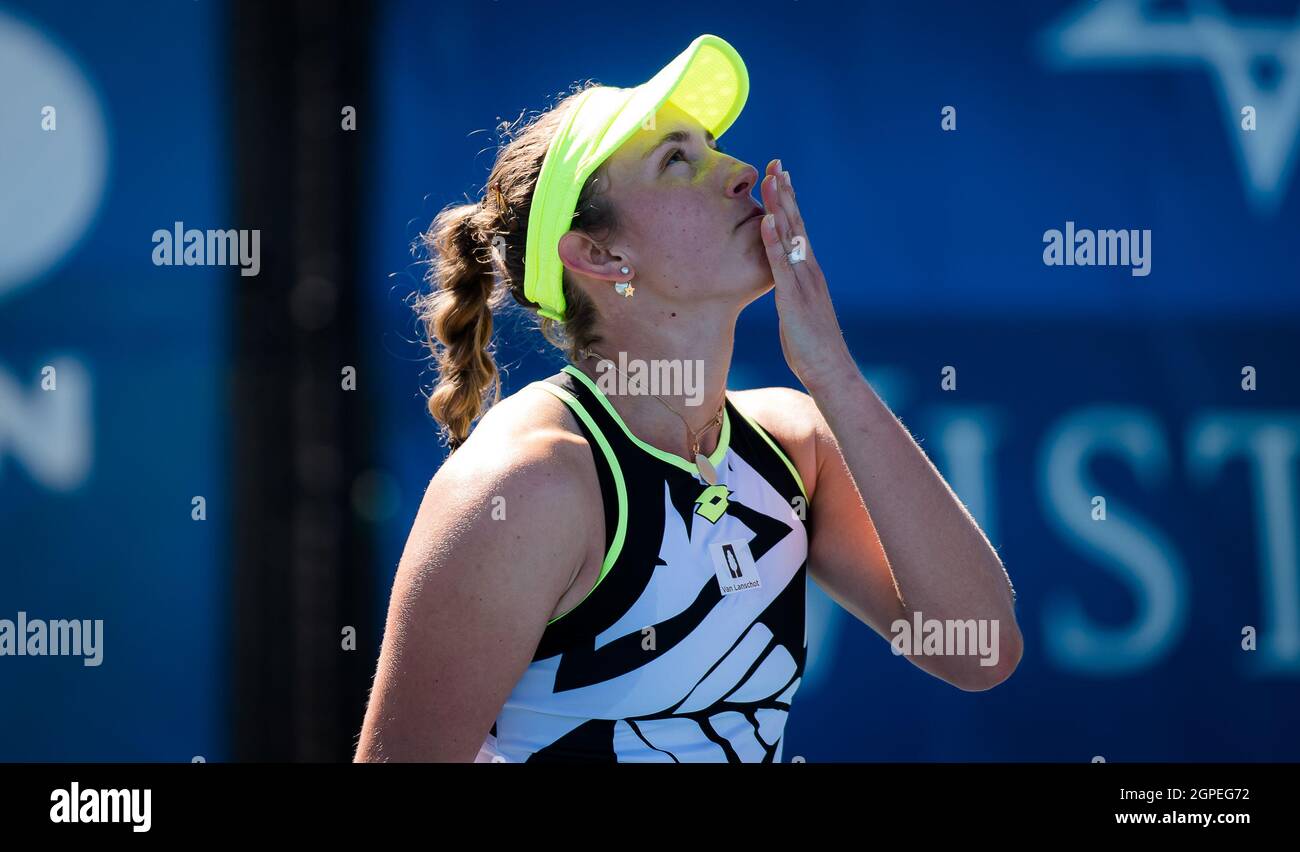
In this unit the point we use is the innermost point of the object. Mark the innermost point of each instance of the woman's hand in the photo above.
(811, 339)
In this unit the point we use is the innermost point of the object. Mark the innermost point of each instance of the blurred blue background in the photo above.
(1072, 382)
(98, 474)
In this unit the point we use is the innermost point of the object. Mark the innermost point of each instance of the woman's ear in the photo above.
(581, 255)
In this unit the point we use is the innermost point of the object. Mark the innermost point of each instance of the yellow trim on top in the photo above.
(771, 443)
(715, 459)
(620, 488)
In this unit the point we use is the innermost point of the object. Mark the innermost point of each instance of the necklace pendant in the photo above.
(706, 469)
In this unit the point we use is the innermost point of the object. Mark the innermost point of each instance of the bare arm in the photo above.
(474, 590)
(937, 556)
(917, 549)
(941, 562)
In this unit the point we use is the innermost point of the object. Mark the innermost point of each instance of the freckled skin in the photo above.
(677, 221)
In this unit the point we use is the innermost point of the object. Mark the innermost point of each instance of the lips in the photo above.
(752, 214)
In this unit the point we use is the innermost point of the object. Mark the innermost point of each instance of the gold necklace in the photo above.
(707, 471)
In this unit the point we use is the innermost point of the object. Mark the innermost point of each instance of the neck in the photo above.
(684, 361)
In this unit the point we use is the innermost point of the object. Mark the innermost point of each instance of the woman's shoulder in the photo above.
(784, 412)
(792, 418)
(529, 435)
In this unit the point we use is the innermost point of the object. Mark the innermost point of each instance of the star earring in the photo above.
(624, 288)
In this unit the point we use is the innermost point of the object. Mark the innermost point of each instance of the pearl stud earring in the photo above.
(624, 288)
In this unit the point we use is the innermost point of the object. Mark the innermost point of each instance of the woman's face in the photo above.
(686, 219)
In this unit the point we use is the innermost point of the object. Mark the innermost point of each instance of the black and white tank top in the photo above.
(692, 642)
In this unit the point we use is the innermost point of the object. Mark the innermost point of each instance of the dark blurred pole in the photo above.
(300, 552)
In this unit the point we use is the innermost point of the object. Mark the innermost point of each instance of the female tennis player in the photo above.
(611, 569)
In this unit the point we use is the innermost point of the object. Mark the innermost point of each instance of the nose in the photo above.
(743, 180)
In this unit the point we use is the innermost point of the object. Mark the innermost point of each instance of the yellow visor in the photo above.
(707, 81)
